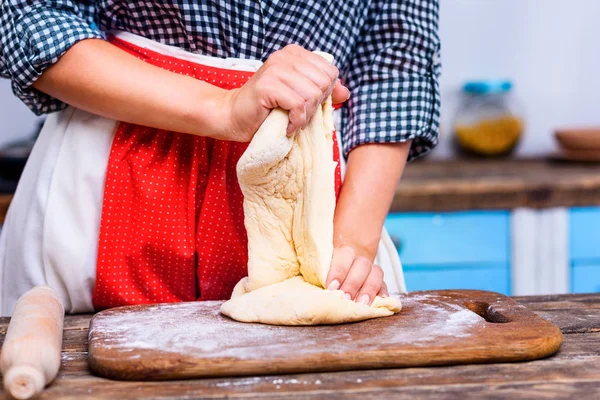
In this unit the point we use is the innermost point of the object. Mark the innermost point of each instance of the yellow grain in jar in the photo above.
(488, 121)
(492, 136)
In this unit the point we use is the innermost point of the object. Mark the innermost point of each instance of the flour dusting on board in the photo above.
(179, 328)
(444, 321)
(198, 329)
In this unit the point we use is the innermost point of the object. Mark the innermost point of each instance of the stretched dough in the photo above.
(297, 302)
(289, 203)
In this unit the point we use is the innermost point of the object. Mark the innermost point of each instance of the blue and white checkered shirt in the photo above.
(386, 50)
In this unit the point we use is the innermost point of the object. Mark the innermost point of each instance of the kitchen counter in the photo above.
(496, 184)
(458, 185)
(574, 372)
(5, 200)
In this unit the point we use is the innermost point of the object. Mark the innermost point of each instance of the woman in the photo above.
(157, 102)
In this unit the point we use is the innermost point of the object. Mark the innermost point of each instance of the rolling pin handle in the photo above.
(24, 382)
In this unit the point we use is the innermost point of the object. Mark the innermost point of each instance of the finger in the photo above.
(340, 93)
(311, 93)
(330, 69)
(304, 87)
(319, 77)
(360, 270)
(371, 287)
(298, 118)
(296, 52)
(383, 292)
(341, 261)
(288, 99)
(311, 83)
(323, 73)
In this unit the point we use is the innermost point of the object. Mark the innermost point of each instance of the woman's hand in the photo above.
(355, 275)
(372, 174)
(127, 89)
(294, 79)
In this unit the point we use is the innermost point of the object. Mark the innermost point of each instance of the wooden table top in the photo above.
(458, 185)
(5, 200)
(496, 184)
(574, 372)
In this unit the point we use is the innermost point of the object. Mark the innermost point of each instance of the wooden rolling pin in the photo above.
(32, 348)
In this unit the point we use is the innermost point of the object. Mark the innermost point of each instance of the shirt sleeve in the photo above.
(33, 36)
(393, 78)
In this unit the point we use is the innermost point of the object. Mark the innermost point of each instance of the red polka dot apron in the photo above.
(172, 226)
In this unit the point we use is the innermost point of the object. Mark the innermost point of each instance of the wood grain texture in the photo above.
(5, 200)
(486, 184)
(574, 372)
(575, 364)
(577, 313)
(434, 328)
(496, 184)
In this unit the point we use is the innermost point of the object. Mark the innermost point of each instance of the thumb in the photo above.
(340, 93)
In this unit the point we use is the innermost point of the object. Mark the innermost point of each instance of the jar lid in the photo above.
(488, 86)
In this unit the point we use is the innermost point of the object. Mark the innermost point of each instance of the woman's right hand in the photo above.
(127, 89)
(293, 79)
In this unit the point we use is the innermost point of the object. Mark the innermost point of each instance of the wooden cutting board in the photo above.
(191, 340)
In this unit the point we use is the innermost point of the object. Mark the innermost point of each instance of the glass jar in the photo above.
(488, 122)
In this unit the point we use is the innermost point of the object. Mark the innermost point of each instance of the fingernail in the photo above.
(347, 296)
(348, 95)
(384, 295)
(364, 299)
(334, 285)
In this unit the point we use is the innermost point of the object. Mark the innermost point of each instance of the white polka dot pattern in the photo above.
(172, 224)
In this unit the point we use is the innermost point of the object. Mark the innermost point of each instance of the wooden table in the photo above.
(573, 373)
(5, 200)
(486, 184)
(496, 184)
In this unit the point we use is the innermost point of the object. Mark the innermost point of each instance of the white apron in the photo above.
(50, 235)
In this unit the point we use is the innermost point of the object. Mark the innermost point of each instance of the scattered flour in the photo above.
(437, 321)
(198, 329)
(266, 379)
(67, 357)
(239, 382)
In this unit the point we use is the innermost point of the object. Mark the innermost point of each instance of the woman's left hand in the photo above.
(359, 218)
(355, 275)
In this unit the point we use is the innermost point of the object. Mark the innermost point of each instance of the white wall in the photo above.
(549, 48)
